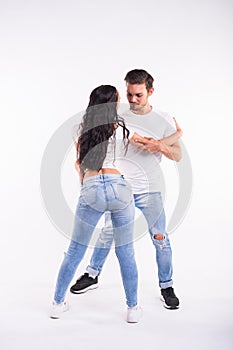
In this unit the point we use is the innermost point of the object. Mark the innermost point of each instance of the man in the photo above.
(141, 168)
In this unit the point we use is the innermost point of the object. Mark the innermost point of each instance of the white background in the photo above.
(53, 53)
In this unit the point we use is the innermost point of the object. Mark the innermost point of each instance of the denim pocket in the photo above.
(89, 194)
(123, 192)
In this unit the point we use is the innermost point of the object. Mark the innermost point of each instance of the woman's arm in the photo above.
(77, 164)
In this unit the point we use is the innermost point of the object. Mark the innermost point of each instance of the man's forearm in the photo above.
(172, 152)
(152, 145)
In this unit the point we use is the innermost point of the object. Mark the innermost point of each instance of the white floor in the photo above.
(96, 320)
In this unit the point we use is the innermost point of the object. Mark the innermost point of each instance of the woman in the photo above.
(103, 189)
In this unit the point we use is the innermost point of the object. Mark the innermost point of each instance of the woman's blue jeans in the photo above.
(101, 193)
(151, 205)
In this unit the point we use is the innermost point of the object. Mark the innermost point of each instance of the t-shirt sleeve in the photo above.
(170, 126)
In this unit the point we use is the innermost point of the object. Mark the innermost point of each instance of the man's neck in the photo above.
(142, 111)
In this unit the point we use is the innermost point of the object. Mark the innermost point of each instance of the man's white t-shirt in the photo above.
(140, 167)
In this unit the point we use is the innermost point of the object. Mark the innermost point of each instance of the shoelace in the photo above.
(169, 292)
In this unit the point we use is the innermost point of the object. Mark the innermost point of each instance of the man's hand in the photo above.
(152, 145)
(137, 141)
(145, 143)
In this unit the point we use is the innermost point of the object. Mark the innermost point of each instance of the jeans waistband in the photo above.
(103, 178)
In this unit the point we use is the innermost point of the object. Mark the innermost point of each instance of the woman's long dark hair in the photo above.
(98, 125)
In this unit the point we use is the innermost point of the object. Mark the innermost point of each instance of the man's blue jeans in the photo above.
(99, 194)
(151, 205)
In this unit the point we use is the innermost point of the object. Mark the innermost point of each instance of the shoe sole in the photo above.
(136, 319)
(56, 317)
(84, 290)
(167, 306)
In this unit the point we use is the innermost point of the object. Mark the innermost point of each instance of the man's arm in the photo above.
(151, 145)
(173, 138)
(172, 152)
(169, 146)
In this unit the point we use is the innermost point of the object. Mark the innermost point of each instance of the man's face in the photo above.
(137, 96)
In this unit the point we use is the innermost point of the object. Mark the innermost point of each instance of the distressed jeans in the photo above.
(151, 205)
(101, 193)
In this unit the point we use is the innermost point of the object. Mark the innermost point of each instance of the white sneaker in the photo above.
(58, 309)
(133, 314)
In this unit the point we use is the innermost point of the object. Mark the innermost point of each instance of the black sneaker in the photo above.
(169, 299)
(84, 283)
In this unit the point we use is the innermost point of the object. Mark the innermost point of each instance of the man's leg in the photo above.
(102, 248)
(151, 205)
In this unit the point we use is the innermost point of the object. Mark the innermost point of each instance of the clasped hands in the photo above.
(146, 143)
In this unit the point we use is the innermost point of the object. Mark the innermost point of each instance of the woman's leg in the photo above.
(67, 270)
(86, 219)
(123, 227)
(129, 273)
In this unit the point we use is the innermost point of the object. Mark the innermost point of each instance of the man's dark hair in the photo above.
(139, 76)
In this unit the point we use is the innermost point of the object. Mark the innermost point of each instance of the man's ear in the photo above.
(151, 91)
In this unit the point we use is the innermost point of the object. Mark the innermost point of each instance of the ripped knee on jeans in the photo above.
(159, 236)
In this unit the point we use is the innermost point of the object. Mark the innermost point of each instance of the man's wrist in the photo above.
(162, 148)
